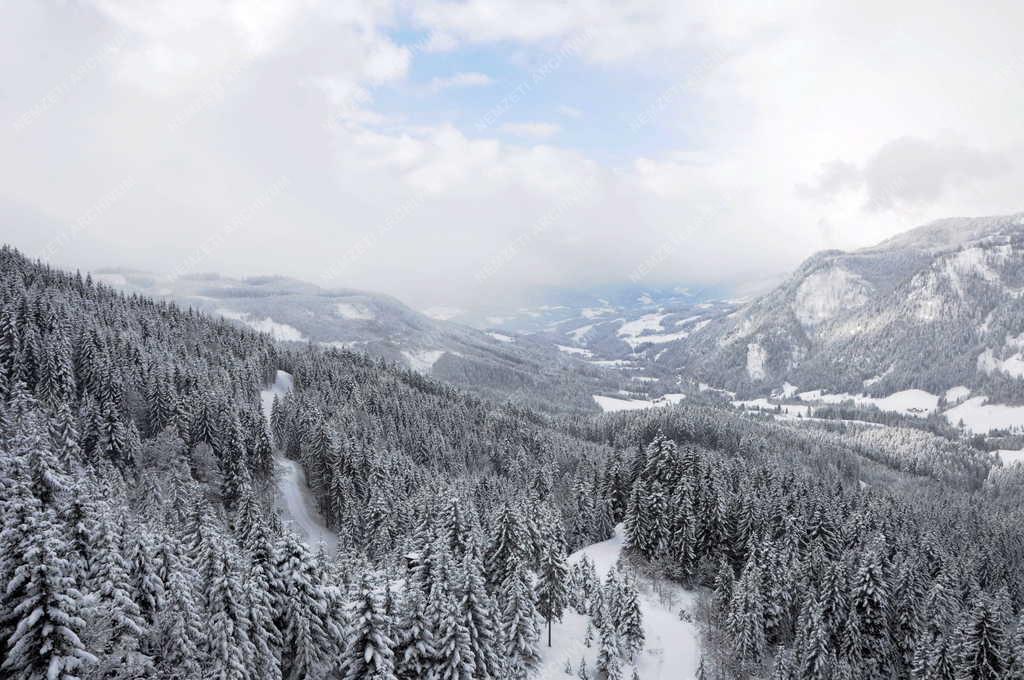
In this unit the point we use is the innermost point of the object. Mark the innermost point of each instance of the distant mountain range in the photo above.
(937, 307)
(495, 365)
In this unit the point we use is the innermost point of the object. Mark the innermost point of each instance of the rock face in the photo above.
(937, 307)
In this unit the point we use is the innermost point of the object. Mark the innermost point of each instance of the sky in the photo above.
(460, 153)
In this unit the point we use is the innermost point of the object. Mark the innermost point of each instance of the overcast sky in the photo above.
(451, 152)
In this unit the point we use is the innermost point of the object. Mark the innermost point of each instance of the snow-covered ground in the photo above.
(579, 351)
(671, 647)
(294, 499)
(980, 417)
(1011, 457)
(422, 360)
(278, 331)
(348, 310)
(907, 402)
(786, 410)
(612, 404)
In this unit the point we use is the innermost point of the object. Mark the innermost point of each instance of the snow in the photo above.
(645, 299)
(647, 322)
(422, 360)
(295, 500)
(1013, 366)
(957, 394)
(762, 404)
(756, 358)
(578, 334)
(671, 647)
(980, 417)
(348, 310)
(501, 337)
(788, 390)
(443, 313)
(824, 294)
(611, 404)
(278, 331)
(594, 312)
(1011, 457)
(907, 402)
(658, 339)
(575, 350)
(704, 387)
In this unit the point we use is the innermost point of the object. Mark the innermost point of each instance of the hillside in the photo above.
(936, 308)
(495, 365)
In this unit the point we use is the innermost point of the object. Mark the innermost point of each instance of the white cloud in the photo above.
(204, 106)
(535, 130)
(463, 79)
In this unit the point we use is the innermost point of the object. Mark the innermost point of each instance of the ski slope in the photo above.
(294, 499)
(671, 648)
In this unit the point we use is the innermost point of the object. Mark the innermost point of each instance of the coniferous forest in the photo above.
(141, 537)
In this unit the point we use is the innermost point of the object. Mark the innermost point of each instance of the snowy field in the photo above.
(613, 404)
(294, 499)
(980, 417)
(671, 648)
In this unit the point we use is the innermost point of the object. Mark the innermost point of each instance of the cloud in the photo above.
(464, 79)
(766, 131)
(914, 171)
(908, 171)
(532, 130)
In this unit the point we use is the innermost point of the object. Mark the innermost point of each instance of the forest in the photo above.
(140, 536)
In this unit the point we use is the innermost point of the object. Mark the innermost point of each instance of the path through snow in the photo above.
(671, 648)
(294, 499)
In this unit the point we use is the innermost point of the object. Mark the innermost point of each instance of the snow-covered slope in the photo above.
(938, 307)
(496, 365)
(672, 645)
(295, 500)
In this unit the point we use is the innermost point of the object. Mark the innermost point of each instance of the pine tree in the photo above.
(509, 543)
(550, 587)
(608, 656)
(981, 653)
(629, 620)
(46, 641)
(519, 619)
(479, 618)
(416, 652)
(746, 622)
(370, 654)
(300, 609)
(229, 647)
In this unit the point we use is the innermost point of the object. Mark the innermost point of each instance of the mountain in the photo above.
(938, 307)
(496, 365)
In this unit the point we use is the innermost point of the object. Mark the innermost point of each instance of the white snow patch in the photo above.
(1012, 365)
(907, 402)
(762, 404)
(278, 331)
(501, 337)
(957, 394)
(645, 299)
(671, 646)
(1011, 457)
(595, 312)
(579, 351)
(980, 417)
(788, 390)
(348, 310)
(422, 360)
(824, 294)
(580, 332)
(612, 404)
(647, 322)
(756, 358)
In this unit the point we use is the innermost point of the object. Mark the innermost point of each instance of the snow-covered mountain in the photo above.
(498, 365)
(937, 307)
